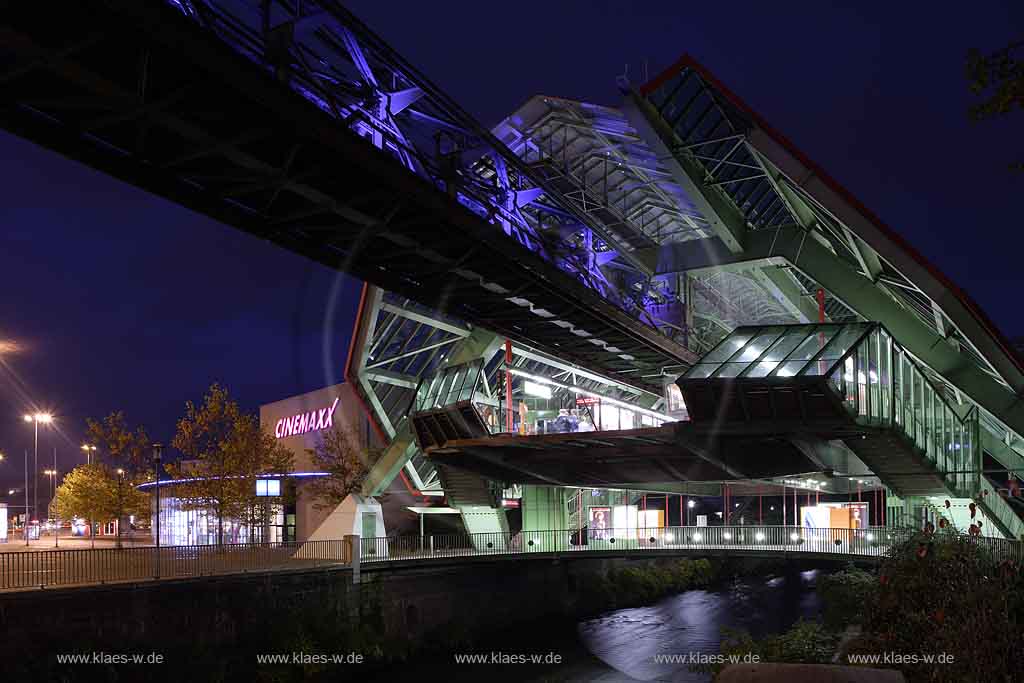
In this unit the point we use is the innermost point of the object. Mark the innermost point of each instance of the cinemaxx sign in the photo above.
(303, 423)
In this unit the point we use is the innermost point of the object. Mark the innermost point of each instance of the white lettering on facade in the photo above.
(306, 422)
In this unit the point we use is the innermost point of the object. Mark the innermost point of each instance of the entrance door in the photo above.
(369, 525)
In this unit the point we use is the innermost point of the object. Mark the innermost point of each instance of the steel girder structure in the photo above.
(398, 342)
(395, 342)
(770, 206)
(597, 158)
(292, 121)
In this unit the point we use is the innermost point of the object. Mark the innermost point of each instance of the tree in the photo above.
(126, 500)
(125, 448)
(228, 452)
(347, 465)
(997, 78)
(97, 492)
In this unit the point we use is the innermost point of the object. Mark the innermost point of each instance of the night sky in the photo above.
(115, 299)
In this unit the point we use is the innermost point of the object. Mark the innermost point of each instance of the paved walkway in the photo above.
(16, 544)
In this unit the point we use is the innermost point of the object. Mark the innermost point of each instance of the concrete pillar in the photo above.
(352, 541)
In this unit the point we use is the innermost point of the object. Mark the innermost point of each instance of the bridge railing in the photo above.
(855, 543)
(29, 568)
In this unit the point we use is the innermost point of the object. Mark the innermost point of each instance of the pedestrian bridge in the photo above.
(28, 570)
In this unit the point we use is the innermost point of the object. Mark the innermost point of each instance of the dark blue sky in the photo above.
(119, 300)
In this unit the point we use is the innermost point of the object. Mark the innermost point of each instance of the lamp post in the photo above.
(158, 452)
(89, 451)
(52, 474)
(689, 506)
(35, 419)
(24, 522)
(120, 504)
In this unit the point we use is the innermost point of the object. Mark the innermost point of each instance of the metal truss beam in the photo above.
(724, 220)
(891, 248)
(727, 223)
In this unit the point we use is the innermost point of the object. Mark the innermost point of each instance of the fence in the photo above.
(854, 543)
(40, 569)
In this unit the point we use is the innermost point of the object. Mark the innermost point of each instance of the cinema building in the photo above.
(291, 513)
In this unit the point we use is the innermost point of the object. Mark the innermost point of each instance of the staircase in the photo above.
(465, 489)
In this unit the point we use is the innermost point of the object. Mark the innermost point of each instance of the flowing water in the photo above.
(626, 642)
(622, 645)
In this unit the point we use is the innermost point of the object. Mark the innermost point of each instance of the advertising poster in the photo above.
(858, 515)
(600, 521)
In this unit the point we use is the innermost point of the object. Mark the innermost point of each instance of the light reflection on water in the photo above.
(627, 640)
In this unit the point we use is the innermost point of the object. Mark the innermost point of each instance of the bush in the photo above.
(843, 596)
(806, 642)
(644, 584)
(945, 593)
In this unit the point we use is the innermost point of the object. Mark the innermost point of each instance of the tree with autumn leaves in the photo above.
(339, 454)
(107, 488)
(226, 453)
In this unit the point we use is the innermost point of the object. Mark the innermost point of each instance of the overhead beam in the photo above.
(893, 249)
(724, 219)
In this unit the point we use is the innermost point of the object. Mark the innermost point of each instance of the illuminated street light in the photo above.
(89, 450)
(36, 419)
(52, 474)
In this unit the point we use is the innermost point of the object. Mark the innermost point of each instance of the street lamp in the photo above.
(52, 474)
(89, 450)
(36, 419)
(120, 504)
(158, 453)
(689, 506)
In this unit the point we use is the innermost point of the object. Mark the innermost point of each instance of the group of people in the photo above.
(570, 421)
(567, 421)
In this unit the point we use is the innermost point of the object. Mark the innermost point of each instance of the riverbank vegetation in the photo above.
(643, 584)
(943, 596)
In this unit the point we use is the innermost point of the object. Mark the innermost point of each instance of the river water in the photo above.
(626, 641)
(621, 645)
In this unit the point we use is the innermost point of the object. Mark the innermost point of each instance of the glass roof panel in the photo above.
(701, 370)
(789, 341)
(762, 368)
(731, 369)
(813, 343)
(730, 345)
(753, 350)
(840, 344)
(779, 350)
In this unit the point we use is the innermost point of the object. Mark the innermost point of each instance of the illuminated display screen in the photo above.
(268, 487)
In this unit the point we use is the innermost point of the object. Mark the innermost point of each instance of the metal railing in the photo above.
(47, 568)
(854, 543)
(30, 569)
